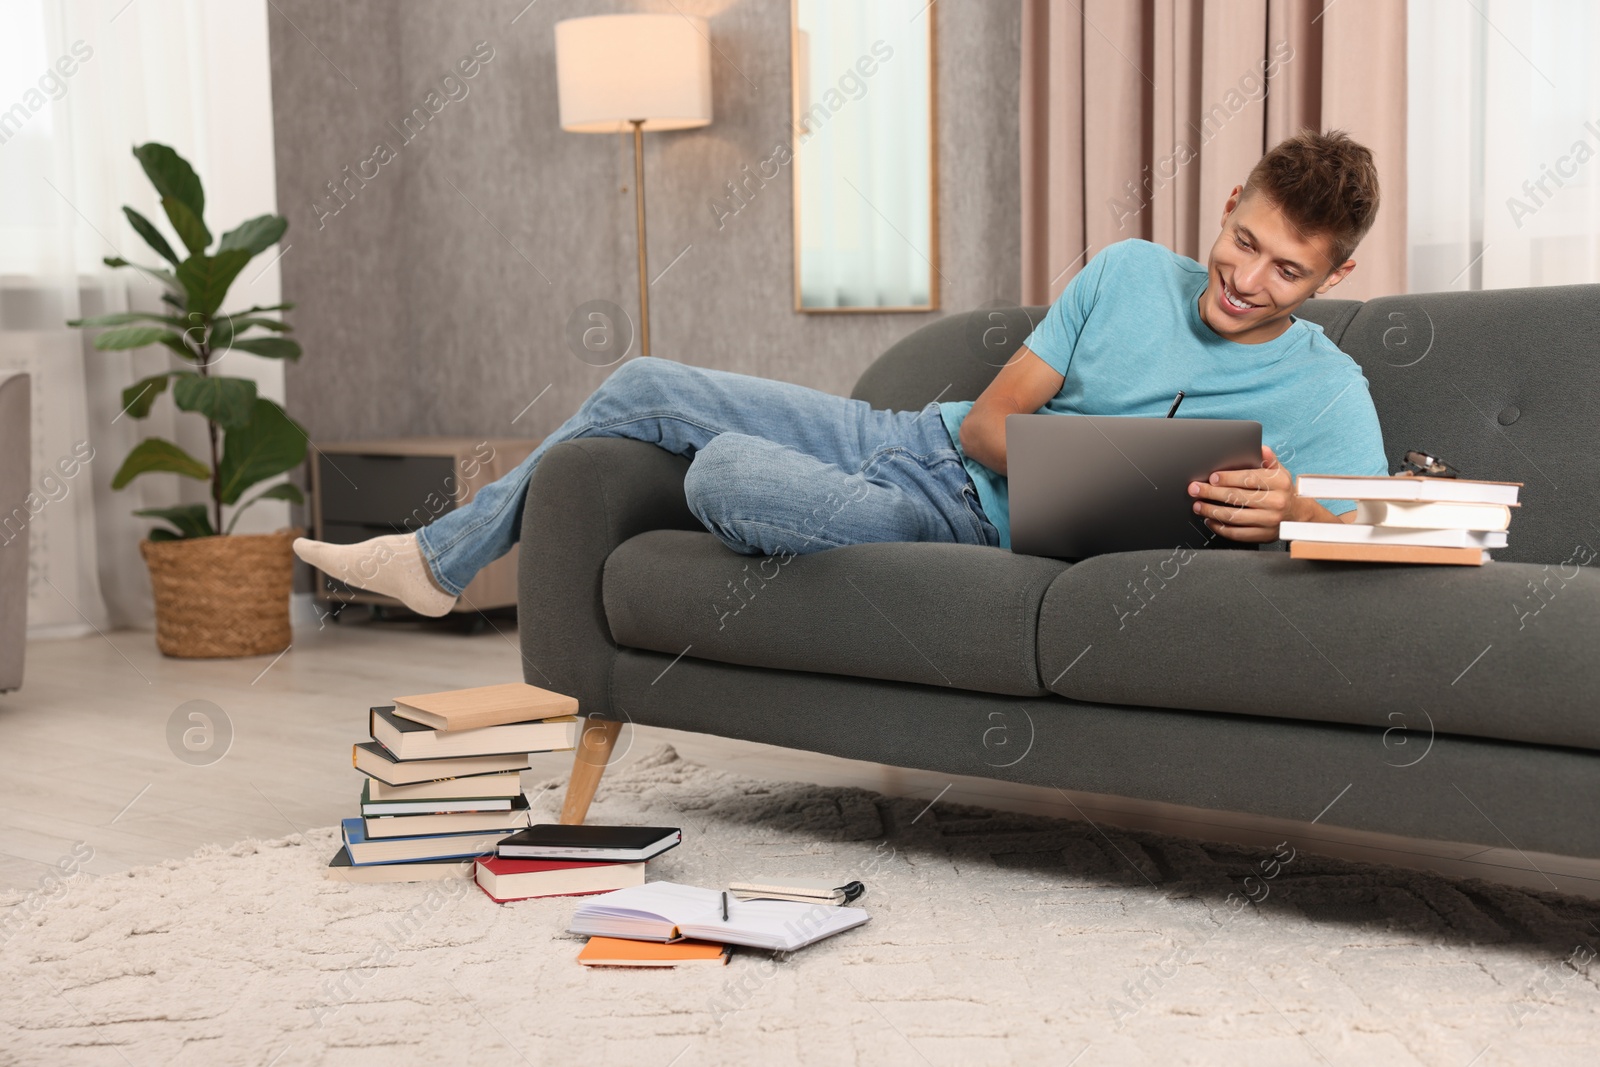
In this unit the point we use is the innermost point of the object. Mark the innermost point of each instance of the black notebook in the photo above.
(625, 844)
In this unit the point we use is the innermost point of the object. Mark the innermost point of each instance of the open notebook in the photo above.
(667, 911)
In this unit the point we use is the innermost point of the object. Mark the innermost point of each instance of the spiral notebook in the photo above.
(667, 911)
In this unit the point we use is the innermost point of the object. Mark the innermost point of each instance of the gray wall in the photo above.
(431, 309)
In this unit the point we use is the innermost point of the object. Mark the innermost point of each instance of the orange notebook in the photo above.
(1472, 557)
(619, 952)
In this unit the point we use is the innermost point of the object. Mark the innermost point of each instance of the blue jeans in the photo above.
(774, 468)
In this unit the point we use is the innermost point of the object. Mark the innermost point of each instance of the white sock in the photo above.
(391, 565)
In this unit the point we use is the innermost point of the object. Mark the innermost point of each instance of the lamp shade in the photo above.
(613, 69)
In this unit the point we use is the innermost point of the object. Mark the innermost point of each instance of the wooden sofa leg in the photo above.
(596, 740)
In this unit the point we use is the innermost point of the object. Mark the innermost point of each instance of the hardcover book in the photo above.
(457, 822)
(488, 705)
(1428, 515)
(502, 786)
(434, 805)
(1471, 557)
(408, 740)
(410, 849)
(373, 760)
(1362, 534)
(619, 843)
(829, 891)
(1380, 487)
(340, 869)
(507, 880)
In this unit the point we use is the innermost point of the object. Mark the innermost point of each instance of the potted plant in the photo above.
(217, 593)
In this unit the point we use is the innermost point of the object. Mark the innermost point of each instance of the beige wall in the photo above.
(419, 317)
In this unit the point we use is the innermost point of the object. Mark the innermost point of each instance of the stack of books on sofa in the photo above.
(1405, 519)
(443, 782)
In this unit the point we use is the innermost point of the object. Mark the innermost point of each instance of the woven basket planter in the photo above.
(225, 596)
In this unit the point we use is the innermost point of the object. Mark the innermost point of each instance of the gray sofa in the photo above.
(16, 473)
(1448, 703)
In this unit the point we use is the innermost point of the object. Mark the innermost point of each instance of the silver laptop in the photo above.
(1084, 485)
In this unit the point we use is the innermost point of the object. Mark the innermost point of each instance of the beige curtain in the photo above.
(1138, 118)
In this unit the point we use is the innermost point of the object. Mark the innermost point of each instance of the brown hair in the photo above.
(1325, 183)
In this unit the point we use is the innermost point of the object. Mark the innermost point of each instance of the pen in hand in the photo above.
(724, 905)
(1176, 401)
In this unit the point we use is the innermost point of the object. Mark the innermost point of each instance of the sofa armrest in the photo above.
(586, 498)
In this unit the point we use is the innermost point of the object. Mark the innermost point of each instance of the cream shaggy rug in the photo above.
(995, 939)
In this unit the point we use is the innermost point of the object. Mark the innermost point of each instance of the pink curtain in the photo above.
(1139, 118)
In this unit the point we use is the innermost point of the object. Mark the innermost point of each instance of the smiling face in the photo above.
(1262, 267)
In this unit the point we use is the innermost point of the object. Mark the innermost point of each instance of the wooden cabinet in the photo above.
(362, 489)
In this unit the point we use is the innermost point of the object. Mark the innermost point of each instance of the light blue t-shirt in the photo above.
(1127, 335)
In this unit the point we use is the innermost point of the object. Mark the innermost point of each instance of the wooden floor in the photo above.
(85, 757)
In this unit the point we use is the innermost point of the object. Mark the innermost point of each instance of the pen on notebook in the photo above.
(1175, 402)
(724, 905)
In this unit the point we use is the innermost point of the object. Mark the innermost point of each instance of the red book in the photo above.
(507, 880)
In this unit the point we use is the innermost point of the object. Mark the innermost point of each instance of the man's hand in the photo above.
(1248, 505)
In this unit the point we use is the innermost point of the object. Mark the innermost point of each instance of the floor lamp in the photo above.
(643, 73)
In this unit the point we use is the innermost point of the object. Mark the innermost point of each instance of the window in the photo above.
(1503, 143)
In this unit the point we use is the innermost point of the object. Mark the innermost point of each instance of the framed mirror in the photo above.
(866, 189)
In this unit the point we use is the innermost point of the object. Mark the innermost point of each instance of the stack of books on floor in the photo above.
(550, 860)
(444, 783)
(1405, 519)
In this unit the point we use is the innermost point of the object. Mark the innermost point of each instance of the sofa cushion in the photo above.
(949, 615)
(1505, 650)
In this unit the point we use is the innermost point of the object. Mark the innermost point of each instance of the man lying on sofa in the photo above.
(781, 469)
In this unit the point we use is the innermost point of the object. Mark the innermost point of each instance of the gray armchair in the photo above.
(15, 469)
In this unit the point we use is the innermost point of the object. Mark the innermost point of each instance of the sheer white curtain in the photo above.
(1504, 151)
(82, 82)
(871, 245)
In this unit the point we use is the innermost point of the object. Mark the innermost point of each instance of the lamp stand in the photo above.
(638, 201)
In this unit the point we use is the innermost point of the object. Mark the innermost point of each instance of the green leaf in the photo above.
(206, 278)
(190, 519)
(271, 347)
(160, 274)
(241, 323)
(282, 491)
(137, 398)
(255, 235)
(191, 230)
(157, 454)
(152, 236)
(172, 176)
(275, 307)
(227, 327)
(175, 342)
(161, 533)
(131, 337)
(122, 318)
(270, 443)
(227, 401)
